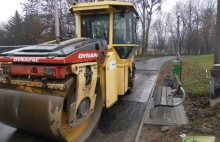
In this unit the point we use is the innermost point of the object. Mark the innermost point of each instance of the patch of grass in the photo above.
(205, 61)
(196, 122)
(194, 73)
(139, 58)
(199, 92)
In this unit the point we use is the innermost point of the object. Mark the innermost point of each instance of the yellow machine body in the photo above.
(114, 73)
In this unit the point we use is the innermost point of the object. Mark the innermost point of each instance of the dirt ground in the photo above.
(204, 121)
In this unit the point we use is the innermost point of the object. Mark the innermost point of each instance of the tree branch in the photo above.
(158, 6)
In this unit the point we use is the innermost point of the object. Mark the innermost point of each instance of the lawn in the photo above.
(194, 73)
(139, 58)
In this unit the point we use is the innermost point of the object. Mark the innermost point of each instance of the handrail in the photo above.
(183, 97)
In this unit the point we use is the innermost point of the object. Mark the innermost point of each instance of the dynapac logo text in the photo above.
(88, 55)
(20, 59)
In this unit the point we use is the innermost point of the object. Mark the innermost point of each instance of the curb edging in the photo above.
(145, 111)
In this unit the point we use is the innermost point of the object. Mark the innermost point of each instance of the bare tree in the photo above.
(146, 8)
(187, 11)
(172, 33)
(208, 24)
(197, 20)
(160, 27)
(197, 27)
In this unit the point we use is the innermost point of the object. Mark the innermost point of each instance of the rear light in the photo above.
(49, 71)
(6, 70)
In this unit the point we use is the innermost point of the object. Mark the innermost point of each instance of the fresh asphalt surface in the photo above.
(153, 64)
(120, 123)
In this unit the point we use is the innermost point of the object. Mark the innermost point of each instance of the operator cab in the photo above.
(110, 20)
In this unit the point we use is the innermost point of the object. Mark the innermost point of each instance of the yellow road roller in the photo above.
(58, 90)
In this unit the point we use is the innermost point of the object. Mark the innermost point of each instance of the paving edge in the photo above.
(145, 111)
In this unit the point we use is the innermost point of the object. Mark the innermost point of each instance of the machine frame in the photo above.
(116, 82)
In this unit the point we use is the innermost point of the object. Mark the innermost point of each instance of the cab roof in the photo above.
(103, 6)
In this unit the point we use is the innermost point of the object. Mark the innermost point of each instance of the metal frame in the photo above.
(182, 99)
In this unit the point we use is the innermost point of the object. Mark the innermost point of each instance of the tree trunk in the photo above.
(143, 28)
(217, 47)
(147, 35)
(143, 40)
(207, 47)
(207, 43)
(188, 45)
(146, 41)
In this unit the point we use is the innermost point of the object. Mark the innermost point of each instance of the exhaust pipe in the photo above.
(56, 14)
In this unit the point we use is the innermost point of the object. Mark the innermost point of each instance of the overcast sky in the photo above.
(8, 7)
